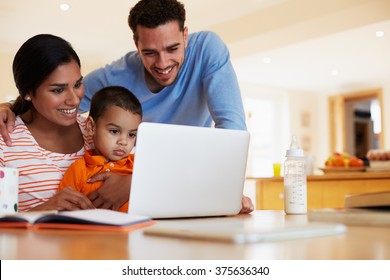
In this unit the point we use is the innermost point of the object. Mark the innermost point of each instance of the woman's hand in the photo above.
(7, 122)
(247, 205)
(66, 199)
(114, 192)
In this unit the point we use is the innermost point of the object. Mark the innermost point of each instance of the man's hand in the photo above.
(7, 122)
(114, 192)
(247, 205)
(66, 199)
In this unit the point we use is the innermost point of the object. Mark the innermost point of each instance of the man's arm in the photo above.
(221, 85)
(114, 192)
(246, 205)
(92, 82)
(7, 122)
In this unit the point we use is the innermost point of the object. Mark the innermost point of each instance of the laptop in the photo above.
(186, 171)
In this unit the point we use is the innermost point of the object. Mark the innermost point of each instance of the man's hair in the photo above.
(152, 13)
(114, 96)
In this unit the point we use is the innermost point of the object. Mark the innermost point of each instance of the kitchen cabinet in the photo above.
(323, 191)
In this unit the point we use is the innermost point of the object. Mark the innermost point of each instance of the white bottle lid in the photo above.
(295, 150)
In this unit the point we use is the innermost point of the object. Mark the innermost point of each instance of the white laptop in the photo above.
(186, 171)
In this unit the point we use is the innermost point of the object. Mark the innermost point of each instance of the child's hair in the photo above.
(114, 96)
(36, 59)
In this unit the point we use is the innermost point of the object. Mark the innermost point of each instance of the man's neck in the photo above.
(151, 83)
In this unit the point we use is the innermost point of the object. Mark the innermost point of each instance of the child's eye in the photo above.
(132, 135)
(114, 131)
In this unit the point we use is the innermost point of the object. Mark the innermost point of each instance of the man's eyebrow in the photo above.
(173, 45)
(167, 47)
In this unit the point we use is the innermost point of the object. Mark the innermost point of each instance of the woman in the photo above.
(48, 134)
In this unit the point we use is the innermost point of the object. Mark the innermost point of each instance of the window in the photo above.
(267, 121)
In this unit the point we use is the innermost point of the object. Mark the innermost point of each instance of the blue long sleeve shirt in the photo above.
(205, 90)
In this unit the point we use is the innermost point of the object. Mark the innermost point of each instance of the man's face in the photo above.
(162, 53)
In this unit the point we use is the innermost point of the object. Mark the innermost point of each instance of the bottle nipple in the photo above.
(295, 150)
(294, 143)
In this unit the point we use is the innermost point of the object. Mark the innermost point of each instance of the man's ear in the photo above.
(185, 35)
(135, 41)
(90, 126)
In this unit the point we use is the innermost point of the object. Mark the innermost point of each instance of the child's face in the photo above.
(115, 133)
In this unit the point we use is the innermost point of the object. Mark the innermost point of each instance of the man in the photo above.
(179, 78)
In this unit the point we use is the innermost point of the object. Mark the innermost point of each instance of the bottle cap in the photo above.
(295, 150)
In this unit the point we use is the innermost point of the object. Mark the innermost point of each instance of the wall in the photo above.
(309, 121)
(292, 107)
(7, 86)
(386, 115)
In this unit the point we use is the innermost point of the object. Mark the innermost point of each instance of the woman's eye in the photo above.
(58, 90)
(78, 85)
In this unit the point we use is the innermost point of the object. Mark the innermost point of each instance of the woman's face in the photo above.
(58, 98)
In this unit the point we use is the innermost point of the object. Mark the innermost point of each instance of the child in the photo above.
(112, 123)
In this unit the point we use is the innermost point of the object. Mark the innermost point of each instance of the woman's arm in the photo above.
(66, 199)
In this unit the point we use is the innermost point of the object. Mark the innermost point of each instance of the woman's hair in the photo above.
(114, 96)
(152, 13)
(36, 59)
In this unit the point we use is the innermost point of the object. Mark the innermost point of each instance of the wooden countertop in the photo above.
(368, 243)
(334, 176)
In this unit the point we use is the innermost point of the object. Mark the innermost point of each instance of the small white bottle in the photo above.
(295, 190)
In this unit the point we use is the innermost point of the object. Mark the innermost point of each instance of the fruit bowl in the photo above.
(331, 169)
(343, 160)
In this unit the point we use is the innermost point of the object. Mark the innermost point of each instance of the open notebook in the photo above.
(186, 171)
(92, 219)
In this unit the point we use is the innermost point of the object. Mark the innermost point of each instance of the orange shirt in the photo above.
(82, 169)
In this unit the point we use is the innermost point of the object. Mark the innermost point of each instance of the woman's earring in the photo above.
(27, 98)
